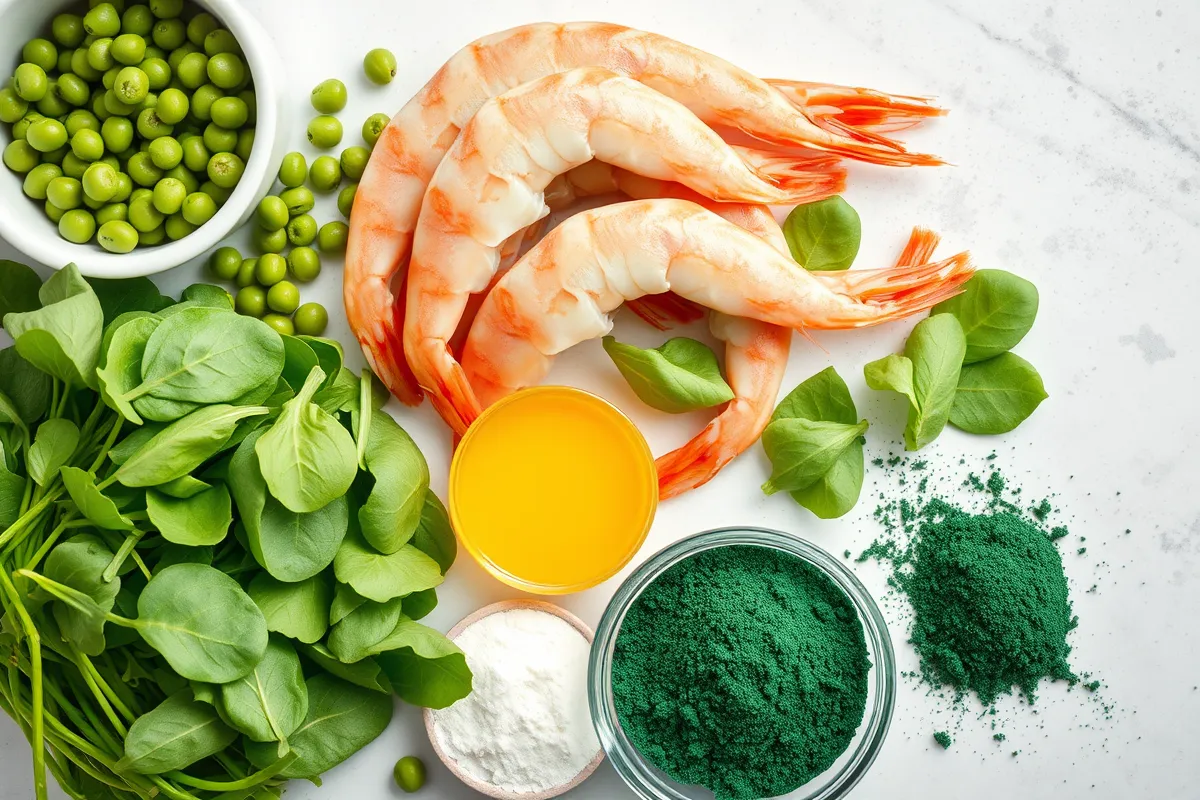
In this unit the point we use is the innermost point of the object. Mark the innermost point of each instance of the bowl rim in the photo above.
(638, 775)
(266, 71)
(495, 570)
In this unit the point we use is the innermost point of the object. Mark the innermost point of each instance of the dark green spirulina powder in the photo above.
(741, 669)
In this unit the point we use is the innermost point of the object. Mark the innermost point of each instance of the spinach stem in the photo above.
(89, 668)
(109, 441)
(49, 543)
(99, 695)
(37, 722)
(29, 515)
(248, 782)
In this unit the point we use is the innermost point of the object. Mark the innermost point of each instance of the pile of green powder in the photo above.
(988, 593)
(743, 670)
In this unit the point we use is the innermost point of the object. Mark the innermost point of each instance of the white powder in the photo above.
(525, 727)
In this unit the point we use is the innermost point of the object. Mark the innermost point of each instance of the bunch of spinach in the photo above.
(956, 367)
(214, 546)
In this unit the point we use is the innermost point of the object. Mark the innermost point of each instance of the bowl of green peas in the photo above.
(136, 134)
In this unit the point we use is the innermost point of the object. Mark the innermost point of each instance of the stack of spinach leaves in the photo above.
(214, 546)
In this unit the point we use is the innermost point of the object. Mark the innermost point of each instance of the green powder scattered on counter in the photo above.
(943, 738)
(741, 669)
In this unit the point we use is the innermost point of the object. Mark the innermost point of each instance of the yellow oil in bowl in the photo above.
(552, 490)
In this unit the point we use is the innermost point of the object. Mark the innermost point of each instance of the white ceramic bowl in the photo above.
(24, 224)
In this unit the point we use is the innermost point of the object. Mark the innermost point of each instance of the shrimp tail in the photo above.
(805, 176)
(699, 461)
(903, 291)
(454, 399)
(663, 311)
(857, 107)
(919, 249)
(388, 362)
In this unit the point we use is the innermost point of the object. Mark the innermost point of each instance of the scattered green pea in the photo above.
(270, 241)
(272, 268)
(77, 226)
(178, 228)
(137, 20)
(251, 301)
(282, 325)
(329, 97)
(102, 20)
(409, 774)
(283, 297)
(245, 273)
(272, 213)
(30, 83)
(12, 107)
(345, 201)
(201, 26)
(68, 30)
(332, 237)
(20, 157)
(219, 139)
(325, 131)
(100, 182)
(41, 52)
(169, 195)
(47, 134)
(112, 212)
(225, 170)
(117, 236)
(302, 230)
(354, 161)
(299, 200)
(117, 133)
(305, 264)
(293, 171)
(310, 319)
(372, 129)
(38, 178)
(380, 66)
(325, 174)
(225, 263)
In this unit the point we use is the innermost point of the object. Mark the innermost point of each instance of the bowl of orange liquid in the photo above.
(553, 490)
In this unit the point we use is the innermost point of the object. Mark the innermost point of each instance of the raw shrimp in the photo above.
(490, 186)
(413, 143)
(563, 290)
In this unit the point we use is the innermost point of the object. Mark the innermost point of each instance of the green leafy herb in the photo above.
(297, 610)
(183, 488)
(183, 445)
(19, 287)
(419, 604)
(63, 337)
(208, 295)
(202, 519)
(122, 370)
(997, 395)
(79, 563)
(123, 295)
(12, 490)
(382, 577)
(56, 440)
(175, 735)
(802, 451)
(270, 703)
(823, 235)
(996, 310)
(390, 516)
(355, 637)
(26, 387)
(682, 375)
(299, 360)
(366, 673)
(345, 601)
(424, 667)
(91, 502)
(435, 537)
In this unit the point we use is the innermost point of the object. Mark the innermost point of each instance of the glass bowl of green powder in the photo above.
(741, 664)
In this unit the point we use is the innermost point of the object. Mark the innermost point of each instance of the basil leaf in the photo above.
(366, 673)
(53, 445)
(823, 397)
(824, 235)
(63, 337)
(997, 395)
(381, 577)
(435, 537)
(804, 450)
(79, 563)
(996, 310)
(183, 445)
(680, 376)
(307, 458)
(26, 386)
(270, 703)
(342, 719)
(91, 502)
(197, 521)
(894, 372)
(122, 369)
(424, 667)
(297, 610)
(837, 491)
(122, 295)
(175, 735)
(19, 287)
(390, 516)
(353, 638)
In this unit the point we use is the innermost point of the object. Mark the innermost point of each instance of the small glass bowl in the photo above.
(646, 780)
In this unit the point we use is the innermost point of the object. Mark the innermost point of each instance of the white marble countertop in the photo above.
(1076, 136)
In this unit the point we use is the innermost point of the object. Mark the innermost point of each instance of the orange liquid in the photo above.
(552, 490)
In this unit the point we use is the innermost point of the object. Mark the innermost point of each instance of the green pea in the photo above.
(299, 200)
(102, 20)
(128, 49)
(100, 182)
(100, 57)
(202, 100)
(87, 145)
(354, 161)
(193, 70)
(81, 63)
(221, 41)
(131, 86)
(73, 166)
(332, 237)
(154, 237)
(124, 188)
(154, 51)
(199, 208)
(80, 119)
(21, 127)
(178, 228)
(68, 30)
(372, 129)
(272, 213)
(47, 134)
(98, 108)
(52, 105)
(172, 107)
(73, 90)
(326, 174)
(282, 324)
(38, 178)
(271, 269)
(169, 34)
(226, 70)
(182, 174)
(166, 9)
(305, 264)
(270, 241)
(77, 226)
(200, 27)
(218, 193)
(251, 301)
(151, 126)
(409, 774)
(30, 82)
(195, 154)
(346, 199)
(169, 195)
(41, 52)
(115, 107)
(283, 297)
(293, 171)
(248, 97)
(12, 107)
(325, 131)
(229, 112)
(380, 66)
(65, 57)
(112, 211)
(158, 72)
(139, 193)
(53, 212)
(117, 236)
(176, 57)
(219, 139)
(141, 168)
(225, 170)
(117, 133)
(310, 319)
(245, 273)
(225, 263)
(302, 230)
(165, 152)
(109, 78)
(329, 97)
(137, 20)
(245, 144)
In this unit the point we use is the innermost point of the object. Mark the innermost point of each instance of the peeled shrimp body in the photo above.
(491, 185)
(564, 289)
(412, 145)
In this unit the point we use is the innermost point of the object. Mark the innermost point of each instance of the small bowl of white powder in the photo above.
(525, 731)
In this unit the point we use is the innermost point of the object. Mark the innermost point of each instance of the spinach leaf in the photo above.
(996, 310)
(183, 445)
(202, 623)
(366, 412)
(80, 563)
(381, 577)
(823, 235)
(200, 520)
(345, 601)
(802, 451)
(206, 355)
(419, 604)
(366, 673)
(997, 395)
(91, 502)
(110, 330)
(823, 397)
(680, 376)
(307, 458)
(297, 610)
(424, 667)
(157, 409)
(354, 638)
(122, 295)
(341, 395)
(330, 357)
(927, 375)
(12, 490)
(175, 735)
(63, 337)
(299, 360)
(390, 516)
(170, 554)
(137, 438)
(270, 703)
(122, 369)
(206, 294)
(19, 287)
(435, 537)
(342, 719)
(183, 488)
(25, 385)
(53, 446)
(837, 491)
